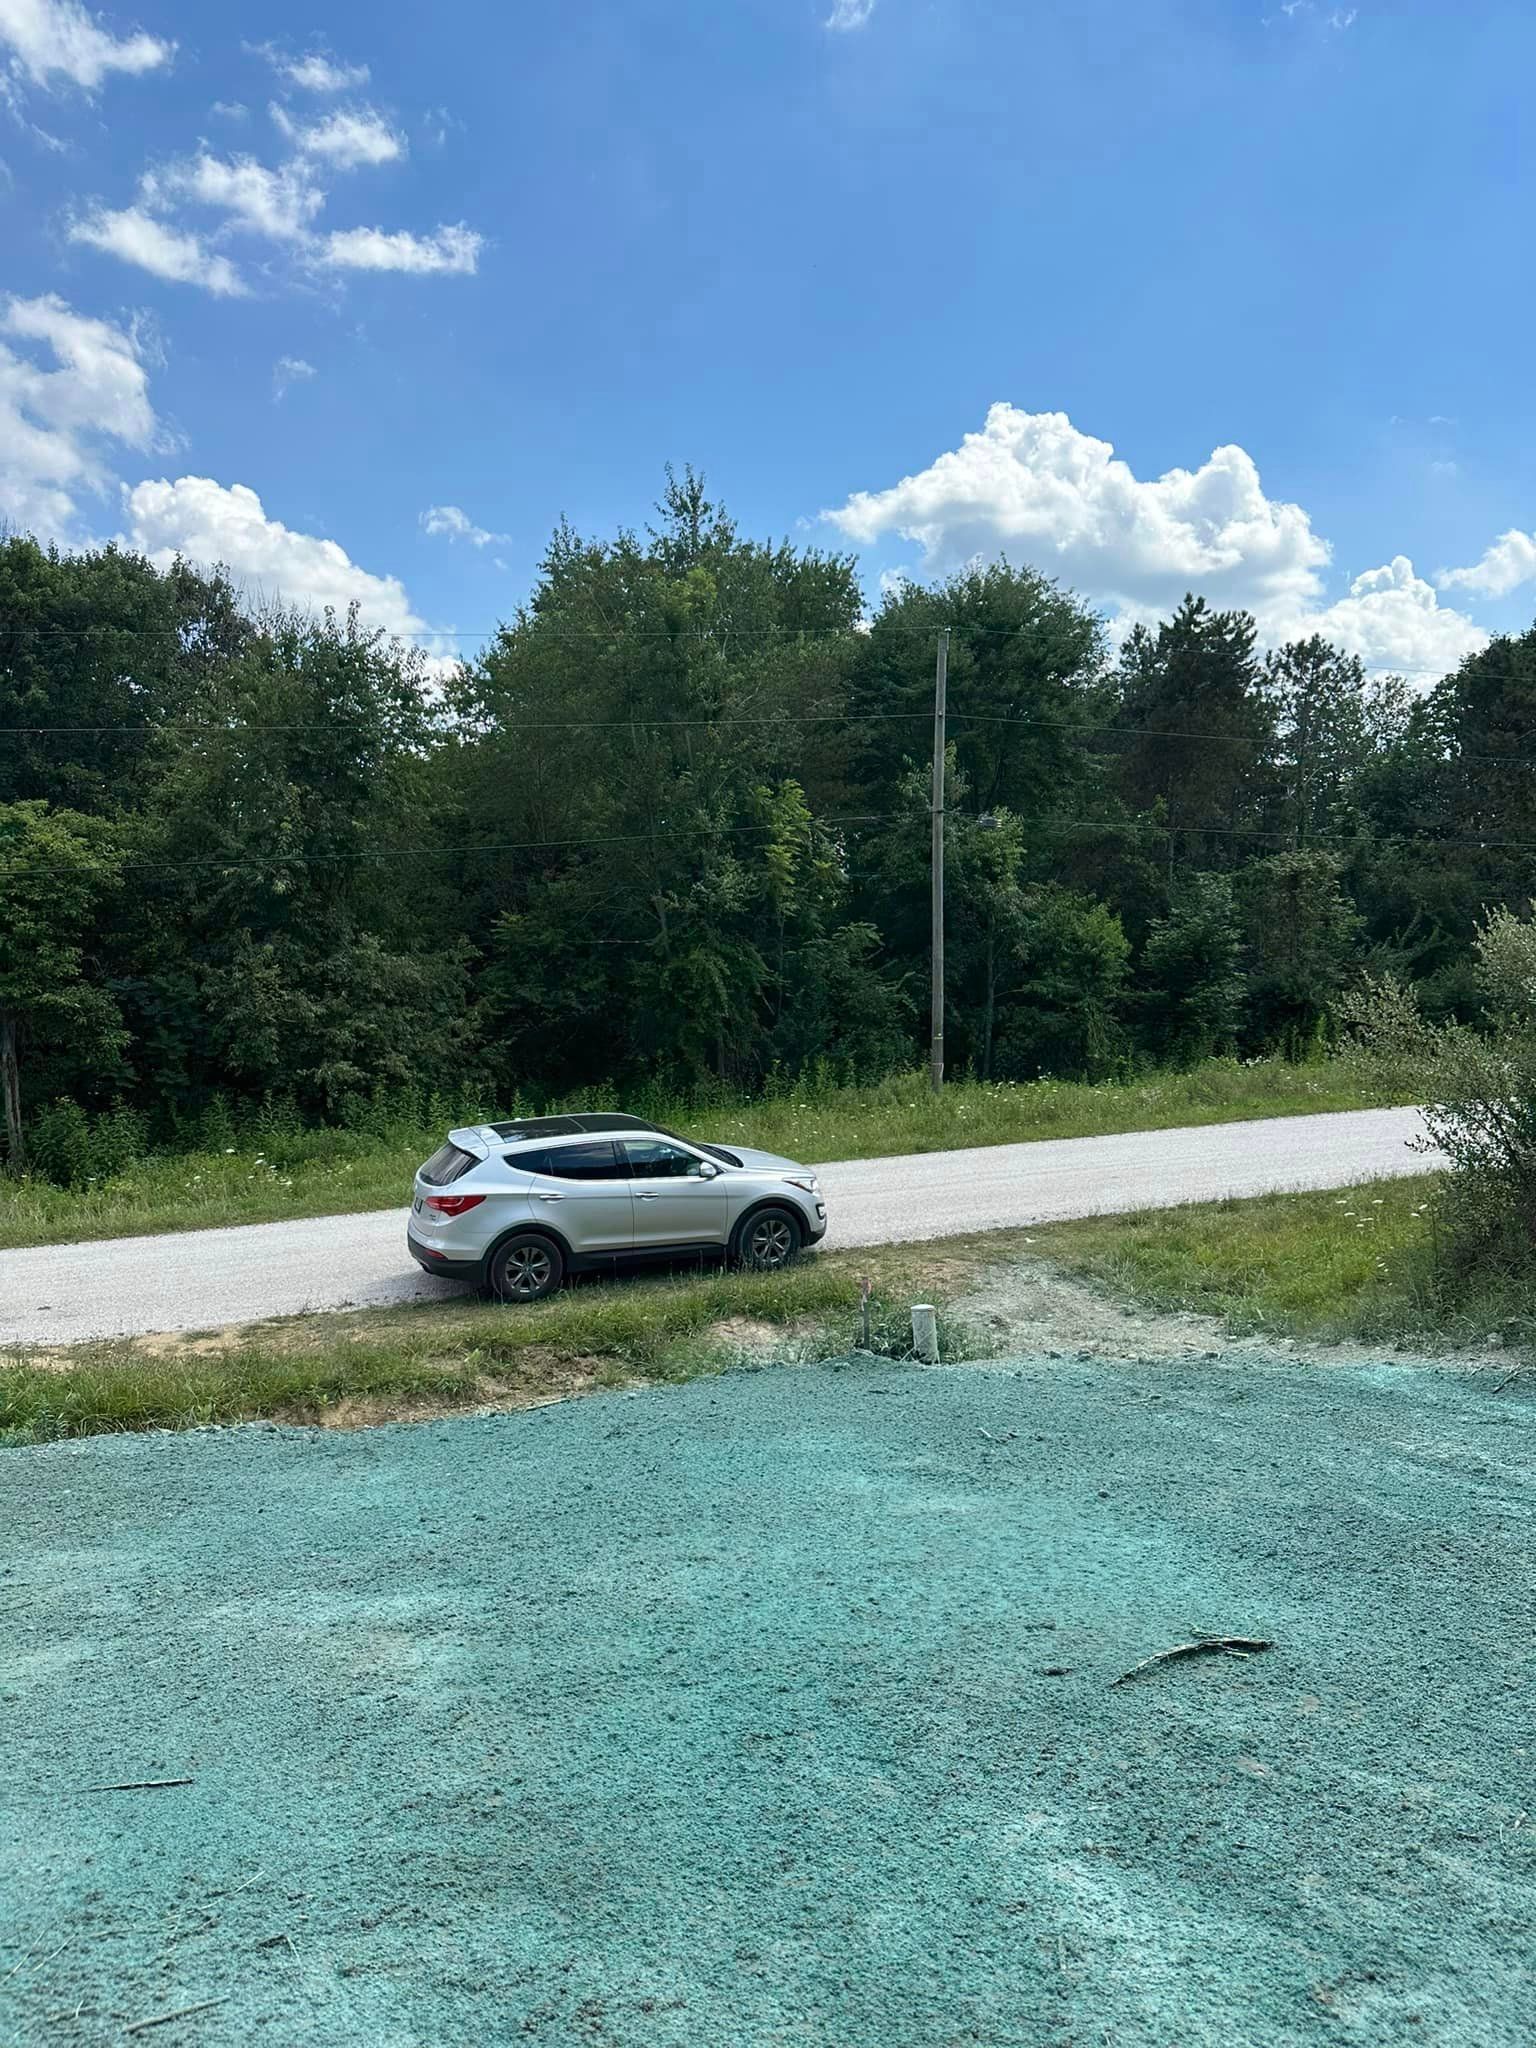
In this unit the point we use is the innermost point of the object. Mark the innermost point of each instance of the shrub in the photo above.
(1481, 1112)
(278, 1117)
(118, 1139)
(61, 1144)
(214, 1128)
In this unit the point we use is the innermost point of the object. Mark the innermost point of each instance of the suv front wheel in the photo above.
(526, 1268)
(767, 1240)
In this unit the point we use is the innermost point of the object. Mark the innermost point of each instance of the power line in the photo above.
(721, 636)
(521, 726)
(282, 860)
(1154, 830)
(725, 636)
(1072, 729)
(1142, 826)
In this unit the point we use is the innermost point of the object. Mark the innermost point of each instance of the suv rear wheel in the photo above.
(767, 1240)
(526, 1268)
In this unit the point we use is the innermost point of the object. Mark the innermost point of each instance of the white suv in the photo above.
(515, 1207)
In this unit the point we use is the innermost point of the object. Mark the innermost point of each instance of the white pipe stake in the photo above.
(925, 1333)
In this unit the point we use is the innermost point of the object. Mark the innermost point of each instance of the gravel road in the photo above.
(63, 1294)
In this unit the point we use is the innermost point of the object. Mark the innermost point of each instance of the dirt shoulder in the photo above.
(1037, 1305)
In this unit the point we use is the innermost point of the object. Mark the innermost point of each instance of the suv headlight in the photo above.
(808, 1181)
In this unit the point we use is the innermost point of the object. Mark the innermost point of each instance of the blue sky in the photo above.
(919, 265)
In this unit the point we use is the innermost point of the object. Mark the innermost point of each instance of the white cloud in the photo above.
(230, 110)
(208, 522)
(1032, 482)
(13, 100)
(59, 38)
(288, 371)
(1393, 621)
(70, 387)
(1510, 562)
(438, 124)
(448, 522)
(1336, 18)
(318, 73)
(100, 381)
(348, 138)
(53, 422)
(450, 251)
(849, 14)
(137, 237)
(280, 204)
(1032, 486)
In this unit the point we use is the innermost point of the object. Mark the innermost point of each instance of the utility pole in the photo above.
(936, 1042)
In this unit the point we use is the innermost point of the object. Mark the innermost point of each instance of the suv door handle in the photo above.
(645, 1198)
(549, 1198)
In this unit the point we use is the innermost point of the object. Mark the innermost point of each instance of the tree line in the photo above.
(672, 823)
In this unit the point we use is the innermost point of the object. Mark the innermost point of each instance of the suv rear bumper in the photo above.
(433, 1261)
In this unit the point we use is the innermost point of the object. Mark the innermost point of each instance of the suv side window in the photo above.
(596, 1160)
(651, 1159)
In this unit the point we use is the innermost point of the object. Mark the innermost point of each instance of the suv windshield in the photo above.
(713, 1151)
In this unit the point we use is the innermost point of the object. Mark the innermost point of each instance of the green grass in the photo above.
(327, 1173)
(1354, 1263)
(373, 1365)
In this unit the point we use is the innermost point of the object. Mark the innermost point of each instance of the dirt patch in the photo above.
(921, 1265)
(187, 1343)
(544, 1382)
(293, 1333)
(1030, 1304)
(373, 1411)
(748, 1335)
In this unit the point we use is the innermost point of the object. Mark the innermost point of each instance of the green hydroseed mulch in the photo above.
(777, 1709)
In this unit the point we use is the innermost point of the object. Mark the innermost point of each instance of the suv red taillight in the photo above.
(452, 1205)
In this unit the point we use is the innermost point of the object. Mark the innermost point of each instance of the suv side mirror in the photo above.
(708, 1170)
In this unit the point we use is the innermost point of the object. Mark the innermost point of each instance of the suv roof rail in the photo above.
(594, 1125)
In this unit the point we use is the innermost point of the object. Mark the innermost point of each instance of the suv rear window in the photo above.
(445, 1165)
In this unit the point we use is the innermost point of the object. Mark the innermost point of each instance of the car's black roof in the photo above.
(569, 1126)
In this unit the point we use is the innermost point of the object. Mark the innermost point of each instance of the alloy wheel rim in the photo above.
(771, 1242)
(527, 1270)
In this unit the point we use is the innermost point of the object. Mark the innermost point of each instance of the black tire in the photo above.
(767, 1240)
(528, 1267)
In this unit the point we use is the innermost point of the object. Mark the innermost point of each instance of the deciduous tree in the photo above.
(56, 871)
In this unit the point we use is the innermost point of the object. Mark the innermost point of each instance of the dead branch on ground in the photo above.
(1202, 1646)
